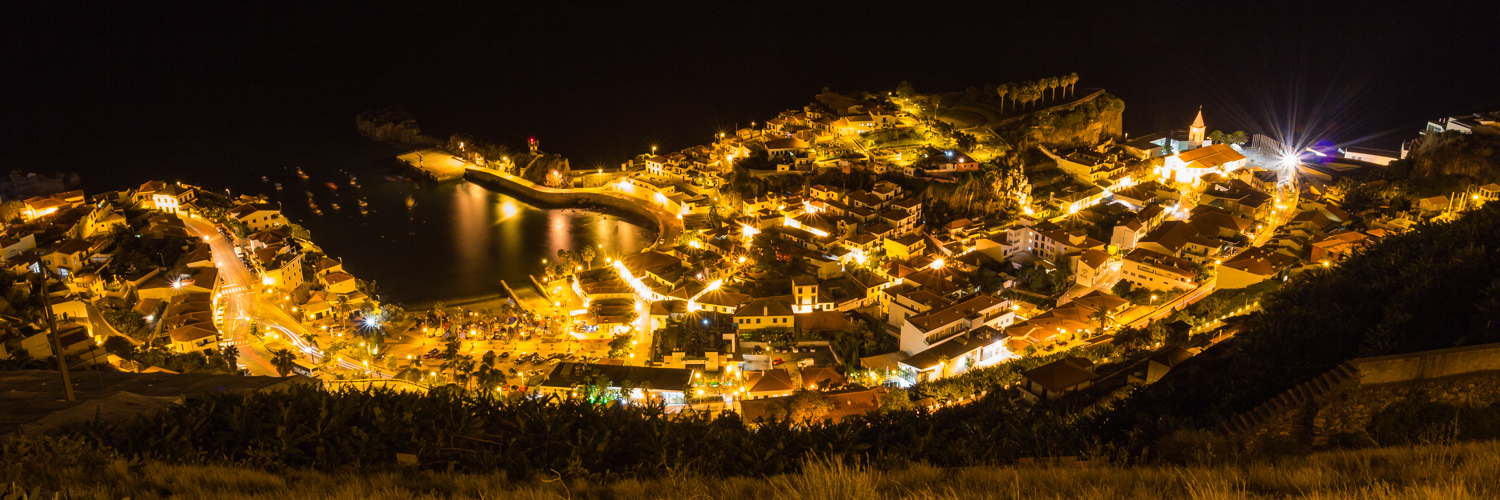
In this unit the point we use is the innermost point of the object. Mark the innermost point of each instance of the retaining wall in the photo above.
(1345, 399)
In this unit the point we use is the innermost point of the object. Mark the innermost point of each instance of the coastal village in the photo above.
(815, 265)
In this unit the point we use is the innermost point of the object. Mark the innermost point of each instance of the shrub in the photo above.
(1414, 421)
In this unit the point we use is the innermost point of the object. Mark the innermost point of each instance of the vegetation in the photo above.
(1456, 472)
(1436, 287)
(125, 321)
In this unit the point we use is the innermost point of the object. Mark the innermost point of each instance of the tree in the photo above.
(122, 347)
(896, 400)
(1072, 82)
(1051, 83)
(283, 360)
(806, 407)
(904, 90)
(11, 210)
(450, 356)
(1002, 90)
(231, 354)
(297, 231)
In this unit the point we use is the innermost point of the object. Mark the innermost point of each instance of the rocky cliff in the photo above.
(392, 124)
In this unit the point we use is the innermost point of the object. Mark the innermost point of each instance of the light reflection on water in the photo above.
(458, 241)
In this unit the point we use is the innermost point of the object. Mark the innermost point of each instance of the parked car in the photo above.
(776, 361)
(504, 355)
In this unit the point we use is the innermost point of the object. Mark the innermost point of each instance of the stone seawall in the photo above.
(668, 226)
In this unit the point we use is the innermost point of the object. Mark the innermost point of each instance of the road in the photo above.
(242, 305)
(1170, 307)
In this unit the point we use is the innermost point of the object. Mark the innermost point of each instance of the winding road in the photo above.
(242, 305)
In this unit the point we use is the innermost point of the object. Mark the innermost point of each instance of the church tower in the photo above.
(1195, 132)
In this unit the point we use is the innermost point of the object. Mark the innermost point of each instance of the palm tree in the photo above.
(283, 360)
(1052, 83)
(1072, 83)
(1002, 90)
(450, 355)
(231, 355)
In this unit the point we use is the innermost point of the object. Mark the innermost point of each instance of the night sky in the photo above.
(209, 94)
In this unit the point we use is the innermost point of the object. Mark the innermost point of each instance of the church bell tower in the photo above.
(1195, 132)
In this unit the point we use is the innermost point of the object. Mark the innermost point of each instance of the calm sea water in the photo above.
(457, 241)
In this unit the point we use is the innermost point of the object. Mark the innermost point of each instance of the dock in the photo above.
(436, 163)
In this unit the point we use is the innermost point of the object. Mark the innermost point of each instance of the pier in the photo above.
(436, 163)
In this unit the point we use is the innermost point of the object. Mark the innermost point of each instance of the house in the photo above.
(921, 331)
(1433, 204)
(821, 378)
(905, 247)
(761, 384)
(1372, 155)
(846, 403)
(69, 256)
(1253, 266)
(258, 216)
(1188, 166)
(101, 219)
(1182, 240)
(13, 247)
(1090, 267)
(42, 206)
(668, 385)
(1336, 247)
(764, 313)
(194, 337)
(1157, 271)
(1046, 240)
(977, 348)
(338, 282)
(1058, 378)
(173, 198)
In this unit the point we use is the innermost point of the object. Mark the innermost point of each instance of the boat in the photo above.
(333, 186)
(310, 203)
(265, 179)
(364, 211)
(278, 186)
(363, 203)
(301, 174)
(334, 205)
(410, 202)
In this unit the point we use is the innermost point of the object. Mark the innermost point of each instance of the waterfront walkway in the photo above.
(435, 162)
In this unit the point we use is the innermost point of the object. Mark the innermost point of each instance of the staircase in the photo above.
(1328, 383)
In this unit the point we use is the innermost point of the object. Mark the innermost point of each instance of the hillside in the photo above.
(1456, 472)
(1433, 288)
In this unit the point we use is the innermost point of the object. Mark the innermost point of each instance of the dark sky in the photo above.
(163, 90)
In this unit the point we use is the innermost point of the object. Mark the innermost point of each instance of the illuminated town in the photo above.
(724, 251)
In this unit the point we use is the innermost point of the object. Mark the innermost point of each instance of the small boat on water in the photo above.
(265, 179)
(278, 186)
(312, 204)
(334, 205)
(301, 174)
(333, 186)
(363, 203)
(410, 202)
(364, 211)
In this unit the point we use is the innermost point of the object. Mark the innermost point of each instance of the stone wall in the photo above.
(1344, 399)
(1352, 410)
(668, 226)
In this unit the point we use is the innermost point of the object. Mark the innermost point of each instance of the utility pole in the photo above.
(57, 351)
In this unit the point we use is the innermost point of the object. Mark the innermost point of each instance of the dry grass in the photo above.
(1463, 471)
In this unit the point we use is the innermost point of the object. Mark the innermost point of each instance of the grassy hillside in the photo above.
(1433, 288)
(1430, 472)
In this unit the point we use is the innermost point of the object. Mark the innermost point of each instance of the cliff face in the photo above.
(1085, 124)
(392, 125)
(539, 168)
